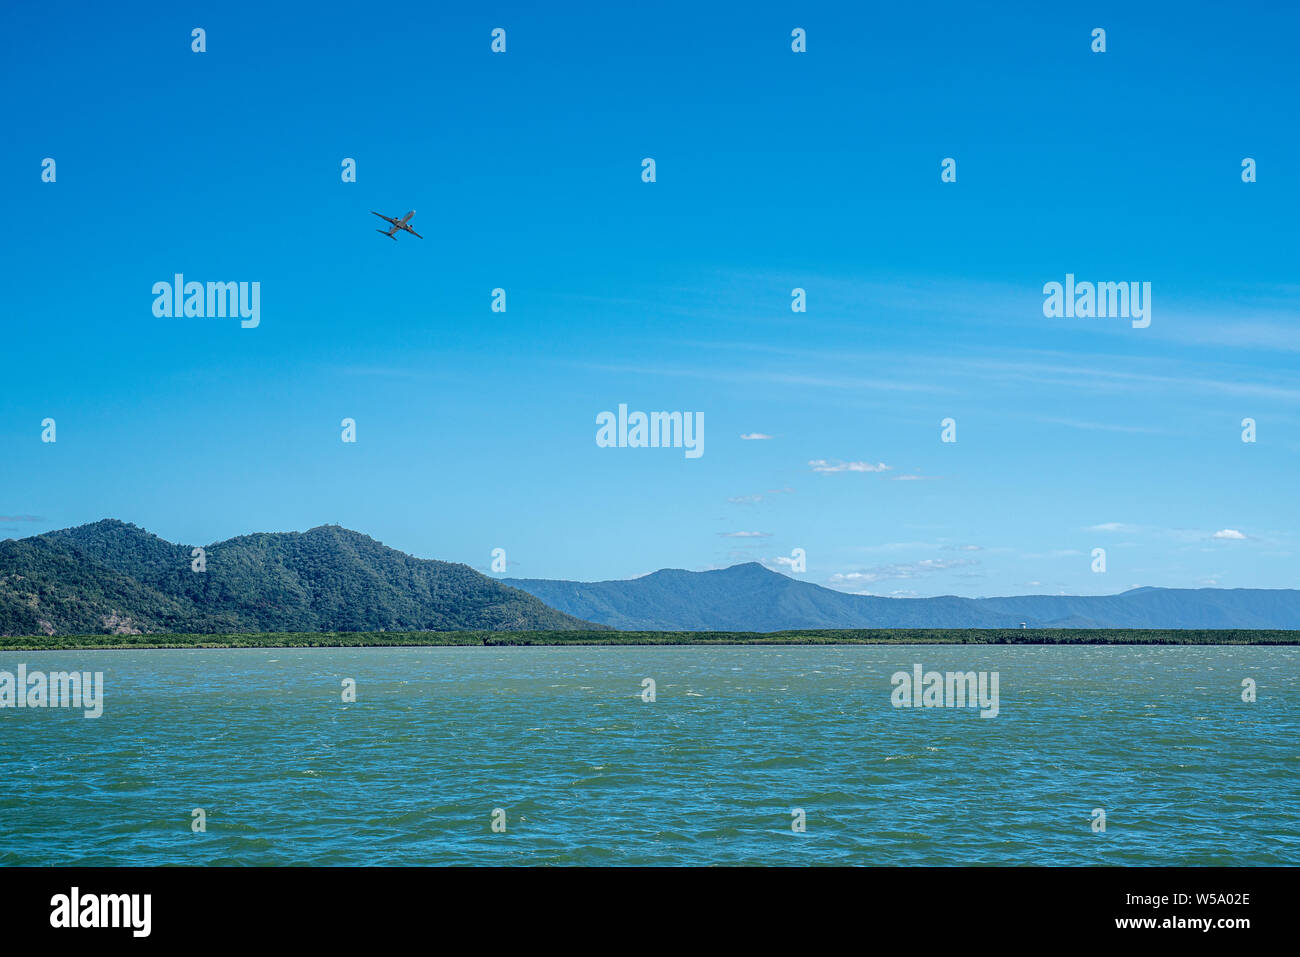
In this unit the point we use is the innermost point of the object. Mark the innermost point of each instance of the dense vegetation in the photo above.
(898, 636)
(115, 578)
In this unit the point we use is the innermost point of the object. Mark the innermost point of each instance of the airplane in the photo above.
(397, 224)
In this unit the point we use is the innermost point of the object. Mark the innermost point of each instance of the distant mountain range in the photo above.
(750, 597)
(111, 577)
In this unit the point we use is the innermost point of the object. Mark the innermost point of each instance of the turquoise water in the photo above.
(588, 773)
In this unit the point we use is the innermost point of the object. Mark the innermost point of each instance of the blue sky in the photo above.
(775, 170)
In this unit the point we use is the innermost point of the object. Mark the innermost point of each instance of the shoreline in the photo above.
(617, 639)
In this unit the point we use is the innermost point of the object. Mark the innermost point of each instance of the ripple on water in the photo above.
(710, 773)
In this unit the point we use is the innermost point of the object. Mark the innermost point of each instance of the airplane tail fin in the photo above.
(387, 233)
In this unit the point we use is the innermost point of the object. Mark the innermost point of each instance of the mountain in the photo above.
(114, 577)
(741, 598)
(750, 597)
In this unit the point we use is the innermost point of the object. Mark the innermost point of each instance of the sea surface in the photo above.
(586, 772)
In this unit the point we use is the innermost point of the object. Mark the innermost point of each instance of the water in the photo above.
(588, 773)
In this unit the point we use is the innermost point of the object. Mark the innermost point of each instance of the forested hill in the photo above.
(113, 577)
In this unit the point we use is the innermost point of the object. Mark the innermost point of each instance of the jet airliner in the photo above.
(397, 224)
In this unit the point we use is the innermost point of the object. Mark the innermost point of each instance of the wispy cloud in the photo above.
(896, 547)
(755, 436)
(1054, 553)
(1102, 426)
(781, 378)
(1186, 535)
(825, 465)
(745, 534)
(900, 570)
(1114, 379)
(756, 498)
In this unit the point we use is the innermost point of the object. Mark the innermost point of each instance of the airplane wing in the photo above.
(412, 232)
(388, 218)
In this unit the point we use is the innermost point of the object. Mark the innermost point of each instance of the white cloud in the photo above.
(745, 534)
(824, 465)
(1113, 527)
(755, 436)
(896, 571)
(1231, 534)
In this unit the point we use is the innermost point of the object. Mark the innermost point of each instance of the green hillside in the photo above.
(114, 578)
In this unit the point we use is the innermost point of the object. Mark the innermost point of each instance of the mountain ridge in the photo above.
(765, 601)
(112, 576)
